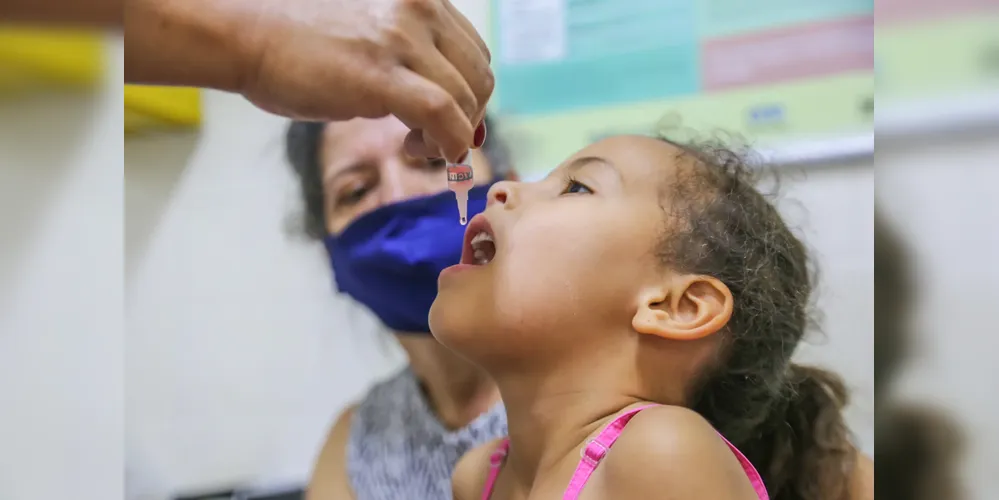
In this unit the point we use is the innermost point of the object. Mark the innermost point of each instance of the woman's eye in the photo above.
(429, 164)
(436, 163)
(352, 196)
(576, 187)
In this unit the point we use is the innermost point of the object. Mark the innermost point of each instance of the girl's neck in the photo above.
(550, 416)
(456, 390)
(553, 411)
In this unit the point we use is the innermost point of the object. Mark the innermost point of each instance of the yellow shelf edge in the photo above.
(71, 57)
(170, 105)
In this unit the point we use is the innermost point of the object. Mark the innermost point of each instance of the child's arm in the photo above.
(471, 471)
(672, 452)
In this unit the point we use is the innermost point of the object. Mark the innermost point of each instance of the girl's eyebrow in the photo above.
(578, 164)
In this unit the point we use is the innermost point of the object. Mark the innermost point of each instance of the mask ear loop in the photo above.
(459, 180)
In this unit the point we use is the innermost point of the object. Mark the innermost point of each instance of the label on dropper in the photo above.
(459, 175)
(459, 180)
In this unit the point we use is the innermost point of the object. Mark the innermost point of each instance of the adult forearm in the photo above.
(99, 13)
(196, 43)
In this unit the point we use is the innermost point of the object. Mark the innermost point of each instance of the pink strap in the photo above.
(595, 450)
(495, 462)
(754, 477)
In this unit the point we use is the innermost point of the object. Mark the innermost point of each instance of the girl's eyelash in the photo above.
(571, 182)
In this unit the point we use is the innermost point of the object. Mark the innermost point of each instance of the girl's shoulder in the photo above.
(661, 431)
(862, 478)
(672, 445)
(472, 470)
(666, 423)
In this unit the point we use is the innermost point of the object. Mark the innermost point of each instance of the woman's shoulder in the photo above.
(329, 477)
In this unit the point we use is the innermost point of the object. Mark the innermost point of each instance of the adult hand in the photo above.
(420, 60)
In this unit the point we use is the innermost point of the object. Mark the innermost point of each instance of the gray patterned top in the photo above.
(399, 450)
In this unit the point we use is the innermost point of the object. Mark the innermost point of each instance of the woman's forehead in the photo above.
(349, 142)
(364, 130)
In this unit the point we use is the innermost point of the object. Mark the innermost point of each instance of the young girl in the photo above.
(638, 310)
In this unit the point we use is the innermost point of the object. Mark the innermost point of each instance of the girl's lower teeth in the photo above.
(480, 257)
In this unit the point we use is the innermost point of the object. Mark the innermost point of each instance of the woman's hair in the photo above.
(303, 143)
(786, 418)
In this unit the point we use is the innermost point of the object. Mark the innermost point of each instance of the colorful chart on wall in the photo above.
(936, 61)
(776, 72)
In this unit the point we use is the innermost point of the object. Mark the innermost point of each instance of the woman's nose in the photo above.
(503, 192)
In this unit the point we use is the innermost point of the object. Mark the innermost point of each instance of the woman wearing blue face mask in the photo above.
(390, 226)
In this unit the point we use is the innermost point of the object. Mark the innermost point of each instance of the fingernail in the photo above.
(480, 135)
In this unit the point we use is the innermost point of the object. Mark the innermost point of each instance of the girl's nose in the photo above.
(504, 193)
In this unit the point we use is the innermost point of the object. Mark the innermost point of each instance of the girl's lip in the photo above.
(457, 268)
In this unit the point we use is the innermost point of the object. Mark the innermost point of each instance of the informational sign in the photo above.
(937, 62)
(772, 71)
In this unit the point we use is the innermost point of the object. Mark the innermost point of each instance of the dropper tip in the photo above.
(462, 197)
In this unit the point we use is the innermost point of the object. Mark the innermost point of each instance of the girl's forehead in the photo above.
(638, 158)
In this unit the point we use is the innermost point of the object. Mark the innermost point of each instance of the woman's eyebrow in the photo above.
(579, 163)
(359, 166)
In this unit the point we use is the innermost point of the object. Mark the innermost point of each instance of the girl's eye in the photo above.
(576, 187)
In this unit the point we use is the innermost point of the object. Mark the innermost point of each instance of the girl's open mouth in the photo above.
(480, 245)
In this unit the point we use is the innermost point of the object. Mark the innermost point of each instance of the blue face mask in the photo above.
(389, 259)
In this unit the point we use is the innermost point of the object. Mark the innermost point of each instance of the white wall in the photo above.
(61, 293)
(939, 193)
(238, 355)
(833, 208)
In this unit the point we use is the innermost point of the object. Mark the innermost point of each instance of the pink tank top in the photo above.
(595, 451)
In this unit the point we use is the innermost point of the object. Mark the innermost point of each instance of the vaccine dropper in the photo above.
(459, 180)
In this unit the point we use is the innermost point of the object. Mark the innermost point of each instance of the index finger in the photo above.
(422, 104)
(469, 29)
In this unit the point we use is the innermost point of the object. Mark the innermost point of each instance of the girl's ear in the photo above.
(687, 308)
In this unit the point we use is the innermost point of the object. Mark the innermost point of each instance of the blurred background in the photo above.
(149, 282)
(61, 249)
